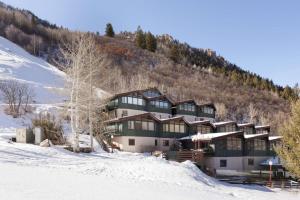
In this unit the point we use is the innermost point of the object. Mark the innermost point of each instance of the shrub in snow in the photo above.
(51, 127)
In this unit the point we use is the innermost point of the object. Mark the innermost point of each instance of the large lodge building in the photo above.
(147, 121)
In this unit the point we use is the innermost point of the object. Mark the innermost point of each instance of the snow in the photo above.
(209, 136)
(223, 123)
(44, 78)
(274, 137)
(33, 172)
(249, 136)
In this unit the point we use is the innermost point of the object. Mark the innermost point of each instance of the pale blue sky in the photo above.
(262, 36)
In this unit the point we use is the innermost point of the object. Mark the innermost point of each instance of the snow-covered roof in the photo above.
(223, 123)
(250, 136)
(246, 124)
(263, 126)
(274, 138)
(210, 136)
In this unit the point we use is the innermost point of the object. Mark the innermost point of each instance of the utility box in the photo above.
(39, 135)
(24, 135)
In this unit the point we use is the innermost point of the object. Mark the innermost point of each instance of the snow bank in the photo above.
(33, 172)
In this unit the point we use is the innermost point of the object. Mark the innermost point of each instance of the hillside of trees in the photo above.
(140, 59)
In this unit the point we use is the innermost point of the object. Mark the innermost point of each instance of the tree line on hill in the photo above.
(42, 38)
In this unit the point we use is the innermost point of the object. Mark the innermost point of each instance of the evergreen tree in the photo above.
(290, 149)
(140, 38)
(151, 43)
(109, 31)
(174, 53)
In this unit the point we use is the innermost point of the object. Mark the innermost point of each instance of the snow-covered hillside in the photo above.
(17, 64)
(32, 172)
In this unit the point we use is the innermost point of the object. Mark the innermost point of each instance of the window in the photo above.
(250, 161)
(130, 124)
(166, 143)
(177, 129)
(141, 125)
(208, 110)
(145, 125)
(227, 128)
(248, 130)
(259, 144)
(124, 99)
(129, 99)
(131, 142)
(160, 104)
(187, 107)
(234, 143)
(124, 113)
(155, 142)
(150, 126)
(182, 129)
(140, 102)
(136, 100)
(174, 127)
(203, 129)
(223, 163)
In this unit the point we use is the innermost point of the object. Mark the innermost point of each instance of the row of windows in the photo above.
(174, 127)
(204, 129)
(247, 130)
(227, 128)
(187, 107)
(141, 125)
(260, 144)
(208, 110)
(234, 143)
(165, 143)
(160, 104)
(133, 100)
(256, 144)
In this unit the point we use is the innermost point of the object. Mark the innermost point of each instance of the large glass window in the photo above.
(234, 143)
(227, 128)
(141, 125)
(208, 110)
(187, 107)
(160, 104)
(174, 127)
(259, 144)
(136, 100)
(203, 129)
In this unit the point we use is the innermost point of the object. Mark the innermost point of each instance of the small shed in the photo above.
(24, 135)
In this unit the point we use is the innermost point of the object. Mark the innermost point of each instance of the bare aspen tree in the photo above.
(83, 65)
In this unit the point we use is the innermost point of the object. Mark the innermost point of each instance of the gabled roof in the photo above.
(251, 136)
(135, 91)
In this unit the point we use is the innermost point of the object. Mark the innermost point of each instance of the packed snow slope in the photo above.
(32, 172)
(17, 64)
